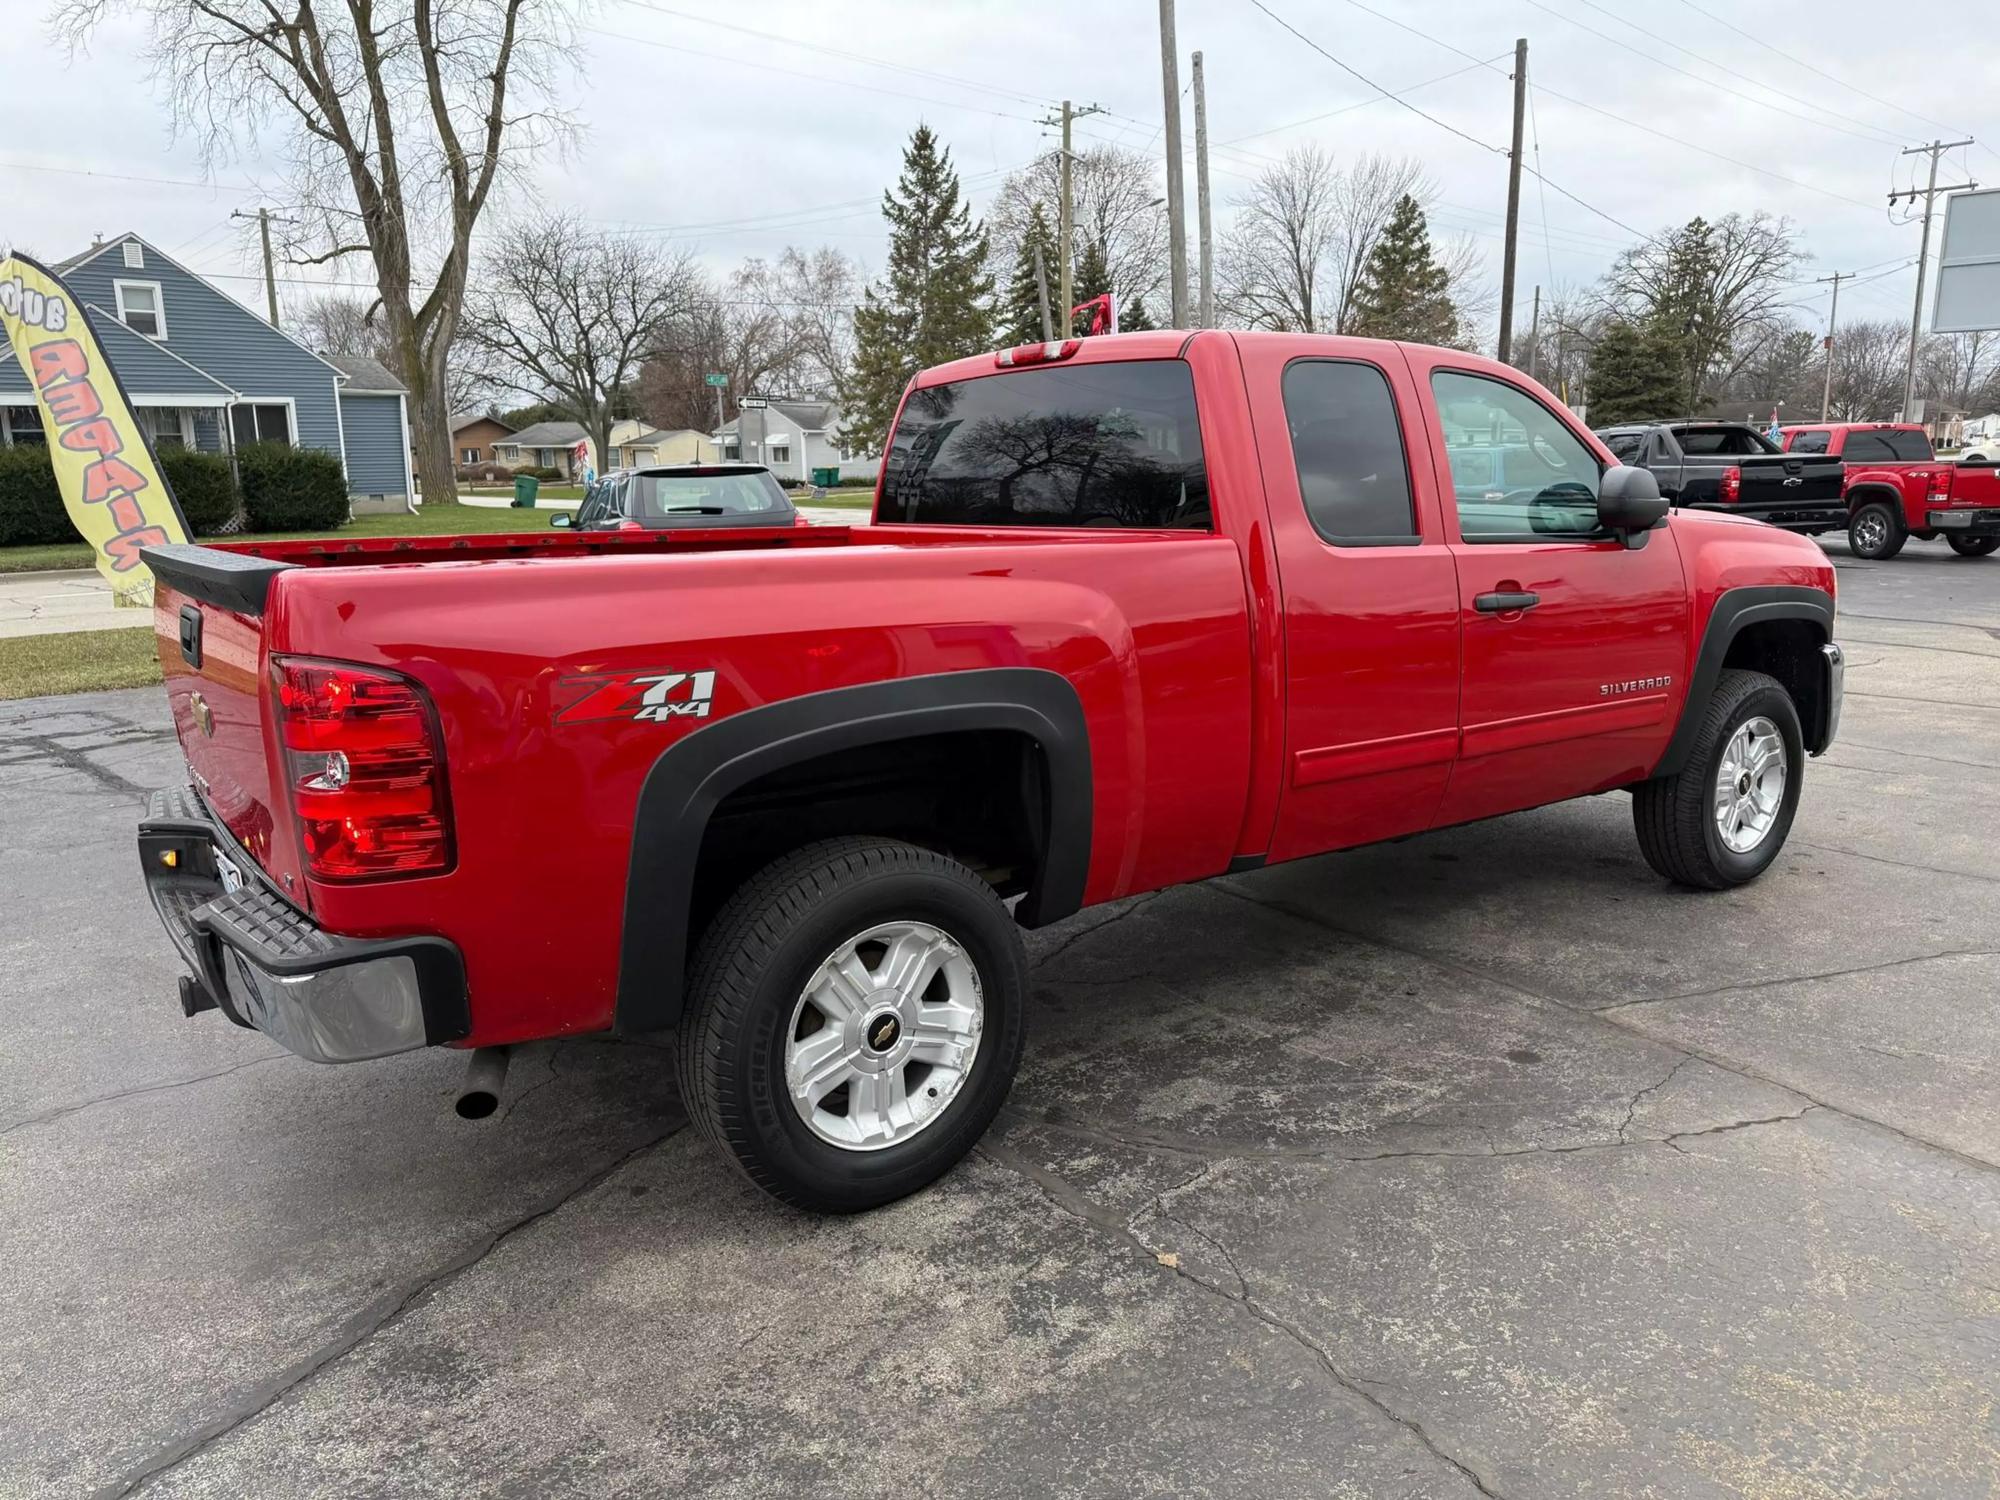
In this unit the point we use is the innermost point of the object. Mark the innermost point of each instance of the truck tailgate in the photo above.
(1787, 482)
(209, 626)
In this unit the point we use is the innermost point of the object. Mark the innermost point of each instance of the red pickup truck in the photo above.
(1131, 611)
(1898, 488)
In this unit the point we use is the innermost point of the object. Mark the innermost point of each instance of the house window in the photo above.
(468, 455)
(135, 258)
(22, 424)
(139, 307)
(166, 427)
(545, 458)
(260, 422)
(781, 453)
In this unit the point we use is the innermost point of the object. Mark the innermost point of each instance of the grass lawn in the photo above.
(548, 491)
(82, 661)
(843, 499)
(439, 520)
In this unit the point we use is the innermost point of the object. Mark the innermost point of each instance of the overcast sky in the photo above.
(740, 129)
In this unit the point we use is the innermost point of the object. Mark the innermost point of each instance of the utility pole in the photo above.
(1513, 202)
(1535, 335)
(1832, 322)
(1934, 150)
(263, 218)
(1206, 309)
(1042, 287)
(1066, 214)
(1170, 84)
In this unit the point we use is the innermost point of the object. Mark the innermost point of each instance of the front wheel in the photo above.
(1723, 818)
(1875, 532)
(855, 1016)
(1974, 546)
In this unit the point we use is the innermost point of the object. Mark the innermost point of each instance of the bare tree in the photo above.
(402, 116)
(337, 324)
(1952, 368)
(1118, 205)
(1301, 238)
(567, 316)
(1721, 286)
(1868, 370)
(819, 290)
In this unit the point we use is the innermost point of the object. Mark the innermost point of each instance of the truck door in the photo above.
(1371, 666)
(1575, 644)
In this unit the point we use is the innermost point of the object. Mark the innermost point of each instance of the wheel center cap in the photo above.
(1743, 785)
(882, 1031)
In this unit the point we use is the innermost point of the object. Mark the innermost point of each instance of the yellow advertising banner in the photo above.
(110, 483)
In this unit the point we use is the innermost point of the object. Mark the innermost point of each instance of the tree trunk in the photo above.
(430, 422)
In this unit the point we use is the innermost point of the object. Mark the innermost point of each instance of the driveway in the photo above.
(1483, 1164)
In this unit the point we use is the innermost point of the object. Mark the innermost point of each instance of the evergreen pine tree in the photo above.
(1135, 318)
(1021, 312)
(1637, 374)
(933, 304)
(1404, 292)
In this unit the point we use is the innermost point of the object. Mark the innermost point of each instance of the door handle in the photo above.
(1504, 603)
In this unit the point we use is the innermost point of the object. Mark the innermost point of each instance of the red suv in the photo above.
(1898, 488)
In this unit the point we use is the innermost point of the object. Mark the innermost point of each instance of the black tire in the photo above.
(750, 969)
(1673, 815)
(1974, 546)
(1875, 531)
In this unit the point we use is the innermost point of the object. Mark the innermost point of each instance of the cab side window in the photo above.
(1518, 474)
(1868, 448)
(1348, 447)
(1808, 442)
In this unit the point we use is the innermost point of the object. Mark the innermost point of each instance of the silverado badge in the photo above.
(1636, 685)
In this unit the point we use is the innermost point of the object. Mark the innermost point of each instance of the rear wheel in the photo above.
(1724, 817)
(1875, 532)
(1974, 546)
(855, 1017)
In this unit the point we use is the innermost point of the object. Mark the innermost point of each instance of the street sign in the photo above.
(752, 403)
(1968, 282)
(715, 380)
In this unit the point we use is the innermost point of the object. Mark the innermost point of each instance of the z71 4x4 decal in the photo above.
(645, 697)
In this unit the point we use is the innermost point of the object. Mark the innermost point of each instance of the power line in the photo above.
(743, 62)
(1707, 83)
(824, 50)
(226, 187)
(1348, 108)
(1385, 93)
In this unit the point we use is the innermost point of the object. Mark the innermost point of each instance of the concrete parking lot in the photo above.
(1483, 1164)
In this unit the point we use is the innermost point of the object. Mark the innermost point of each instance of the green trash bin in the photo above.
(526, 487)
(826, 478)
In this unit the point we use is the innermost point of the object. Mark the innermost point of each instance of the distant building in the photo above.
(791, 439)
(473, 436)
(203, 371)
(638, 445)
(545, 445)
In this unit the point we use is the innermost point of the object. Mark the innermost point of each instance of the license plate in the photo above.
(232, 878)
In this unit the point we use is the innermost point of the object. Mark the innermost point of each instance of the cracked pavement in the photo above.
(1482, 1164)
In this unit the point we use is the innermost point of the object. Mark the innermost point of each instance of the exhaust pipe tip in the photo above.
(479, 1096)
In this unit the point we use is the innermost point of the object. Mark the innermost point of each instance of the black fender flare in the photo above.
(692, 777)
(1874, 494)
(1734, 610)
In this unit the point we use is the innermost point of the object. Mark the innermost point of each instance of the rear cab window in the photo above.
(1103, 445)
(1347, 446)
(1735, 442)
(1626, 447)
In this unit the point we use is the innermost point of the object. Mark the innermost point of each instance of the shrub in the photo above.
(291, 489)
(31, 508)
(203, 485)
(484, 474)
(543, 474)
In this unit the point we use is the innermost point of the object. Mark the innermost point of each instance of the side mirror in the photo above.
(1628, 501)
(563, 519)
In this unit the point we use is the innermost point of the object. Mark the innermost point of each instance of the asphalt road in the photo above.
(1484, 1164)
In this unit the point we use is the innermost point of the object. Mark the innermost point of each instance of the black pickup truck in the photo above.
(1732, 467)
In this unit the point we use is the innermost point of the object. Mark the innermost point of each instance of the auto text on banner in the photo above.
(110, 482)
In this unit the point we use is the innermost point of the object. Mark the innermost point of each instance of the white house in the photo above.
(639, 445)
(791, 439)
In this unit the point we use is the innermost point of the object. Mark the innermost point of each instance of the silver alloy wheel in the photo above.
(884, 1036)
(1750, 784)
(1870, 530)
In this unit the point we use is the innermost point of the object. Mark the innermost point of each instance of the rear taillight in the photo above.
(365, 770)
(1732, 484)
(1940, 485)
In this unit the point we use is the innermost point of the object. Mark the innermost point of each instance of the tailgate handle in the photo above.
(191, 635)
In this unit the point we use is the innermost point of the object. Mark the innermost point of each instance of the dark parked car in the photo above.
(671, 497)
(1732, 467)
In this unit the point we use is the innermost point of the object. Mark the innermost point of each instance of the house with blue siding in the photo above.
(203, 371)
